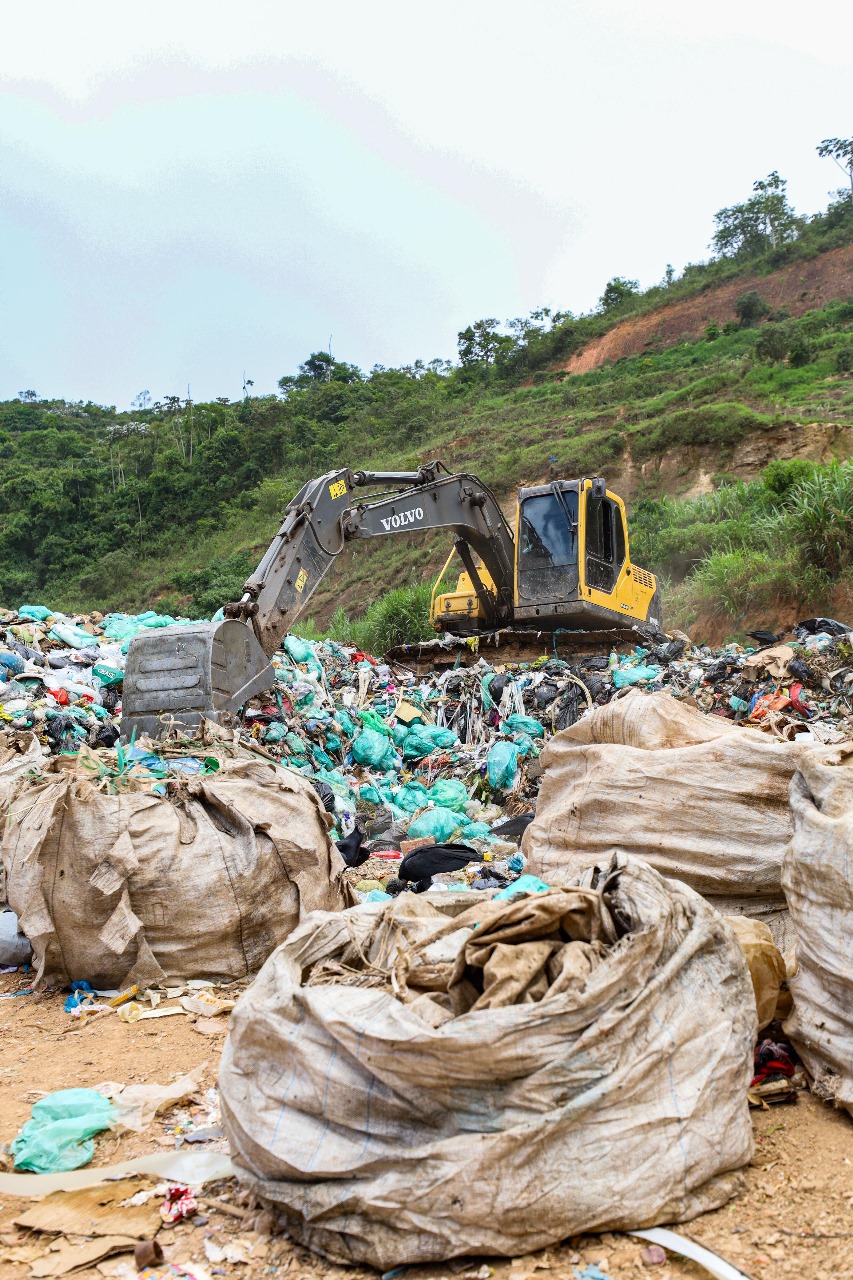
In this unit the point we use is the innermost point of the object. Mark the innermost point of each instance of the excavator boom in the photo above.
(178, 674)
(568, 569)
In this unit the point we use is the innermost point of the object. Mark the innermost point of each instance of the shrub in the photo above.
(712, 331)
(844, 360)
(771, 346)
(750, 308)
(799, 352)
(818, 521)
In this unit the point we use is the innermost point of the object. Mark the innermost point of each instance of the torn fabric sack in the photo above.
(134, 888)
(696, 796)
(818, 880)
(409, 1082)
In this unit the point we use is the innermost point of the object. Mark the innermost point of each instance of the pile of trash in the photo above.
(397, 757)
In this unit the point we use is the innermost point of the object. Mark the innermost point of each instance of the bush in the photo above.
(712, 331)
(818, 521)
(771, 346)
(799, 352)
(750, 308)
(218, 583)
(844, 360)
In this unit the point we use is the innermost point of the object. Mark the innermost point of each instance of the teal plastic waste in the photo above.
(35, 611)
(477, 831)
(106, 676)
(370, 794)
(523, 724)
(524, 742)
(378, 895)
(275, 732)
(524, 884)
(345, 722)
(333, 742)
(501, 765)
(300, 651)
(438, 823)
(59, 1135)
(624, 676)
(411, 797)
(425, 738)
(321, 758)
(72, 636)
(450, 793)
(373, 749)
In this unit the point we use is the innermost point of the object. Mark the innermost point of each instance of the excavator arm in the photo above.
(328, 514)
(176, 675)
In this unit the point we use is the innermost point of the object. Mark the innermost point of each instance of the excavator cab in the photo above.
(572, 567)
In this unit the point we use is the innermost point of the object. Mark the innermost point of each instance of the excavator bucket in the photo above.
(177, 675)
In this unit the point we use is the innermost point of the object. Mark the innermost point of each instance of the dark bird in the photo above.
(765, 638)
(418, 867)
(513, 828)
(351, 848)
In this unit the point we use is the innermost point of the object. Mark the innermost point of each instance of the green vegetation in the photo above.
(786, 536)
(400, 616)
(171, 504)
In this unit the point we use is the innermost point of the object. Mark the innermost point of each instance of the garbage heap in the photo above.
(443, 757)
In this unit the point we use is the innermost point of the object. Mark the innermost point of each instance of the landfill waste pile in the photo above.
(443, 1055)
(395, 757)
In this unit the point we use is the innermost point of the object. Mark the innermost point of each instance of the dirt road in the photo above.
(794, 1219)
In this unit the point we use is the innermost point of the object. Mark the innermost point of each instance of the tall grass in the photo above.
(401, 616)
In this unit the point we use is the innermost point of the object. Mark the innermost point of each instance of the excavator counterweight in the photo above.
(565, 568)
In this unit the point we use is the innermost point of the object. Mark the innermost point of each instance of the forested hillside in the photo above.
(171, 503)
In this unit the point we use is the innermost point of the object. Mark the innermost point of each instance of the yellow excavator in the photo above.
(565, 568)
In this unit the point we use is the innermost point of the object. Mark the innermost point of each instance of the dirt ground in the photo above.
(795, 1217)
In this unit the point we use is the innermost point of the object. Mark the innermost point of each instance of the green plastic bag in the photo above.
(345, 722)
(370, 794)
(321, 758)
(501, 765)
(301, 652)
(450, 793)
(399, 733)
(440, 824)
(523, 724)
(411, 797)
(424, 738)
(373, 749)
(371, 720)
(624, 676)
(275, 732)
(74, 637)
(59, 1135)
(35, 611)
(106, 676)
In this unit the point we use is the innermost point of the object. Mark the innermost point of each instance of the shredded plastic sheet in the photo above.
(191, 1167)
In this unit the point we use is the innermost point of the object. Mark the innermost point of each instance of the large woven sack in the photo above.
(133, 887)
(694, 795)
(519, 1090)
(818, 880)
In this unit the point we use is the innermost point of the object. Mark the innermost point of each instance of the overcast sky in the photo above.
(193, 190)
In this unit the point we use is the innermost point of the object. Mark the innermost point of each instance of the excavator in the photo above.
(564, 568)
